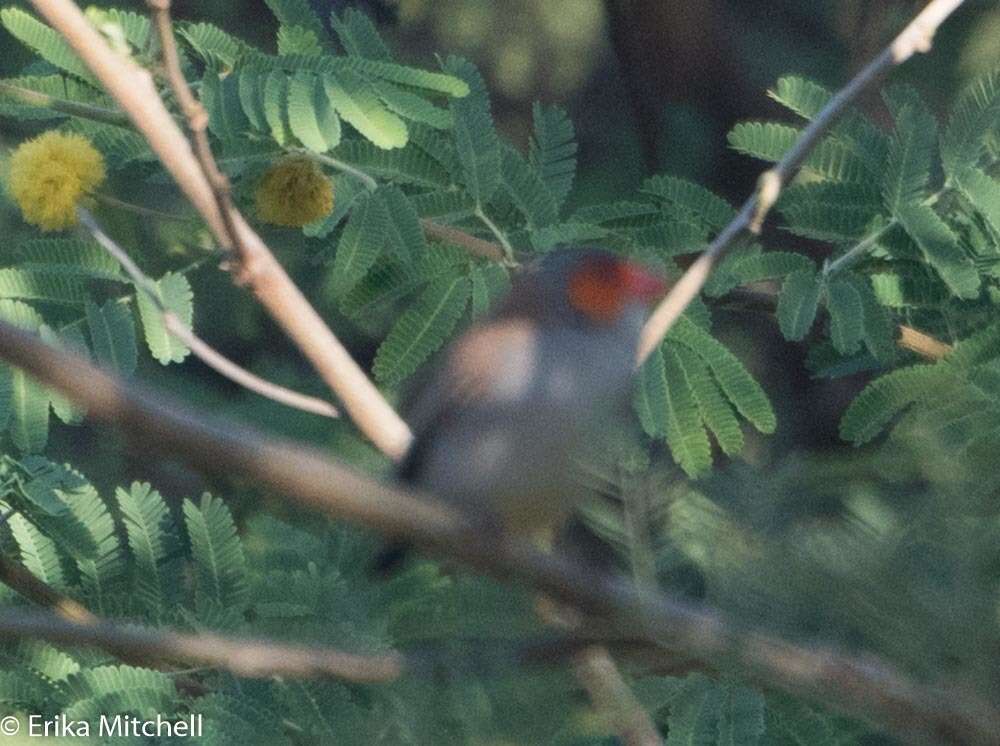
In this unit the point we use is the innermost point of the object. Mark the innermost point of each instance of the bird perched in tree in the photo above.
(518, 393)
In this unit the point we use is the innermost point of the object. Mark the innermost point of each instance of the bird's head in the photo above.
(591, 288)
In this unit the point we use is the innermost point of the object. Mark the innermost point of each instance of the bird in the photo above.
(518, 393)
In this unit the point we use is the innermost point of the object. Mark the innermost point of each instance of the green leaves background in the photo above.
(885, 226)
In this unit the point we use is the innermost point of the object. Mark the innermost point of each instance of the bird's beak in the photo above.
(642, 284)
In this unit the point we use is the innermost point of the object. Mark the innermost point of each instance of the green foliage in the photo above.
(358, 35)
(690, 387)
(53, 273)
(221, 571)
(112, 332)
(941, 249)
(965, 375)
(910, 239)
(846, 316)
(553, 151)
(213, 44)
(972, 120)
(667, 407)
(49, 45)
(357, 249)
(797, 303)
(903, 228)
(57, 86)
(476, 143)
(422, 329)
(151, 540)
(297, 13)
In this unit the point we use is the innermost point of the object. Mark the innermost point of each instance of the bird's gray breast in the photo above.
(510, 453)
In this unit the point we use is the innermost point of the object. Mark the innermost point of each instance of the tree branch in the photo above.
(472, 244)
(257, 268)
(916, 37)
(133, 88)
(863, 687)
(61, 607)
(203, 351)
(597, 670)
(21, 580)
(252, 658)
(924, 345)
(74, 108)
(911, 339)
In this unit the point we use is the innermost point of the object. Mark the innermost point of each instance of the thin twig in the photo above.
(907, 338)
(485, 219)
(610, 694)
(923, 344)
(74, 108)
(68, 621)
(252, 658)
(457, 237)
(257, 267)
(167, 649)
(916, 37)
(433, 230)
(133, 89)
(869, 242)
(856, 252)
(864, 687)
(62, 608)
(201, 349)
(197, 120)
(20, 579)
(140, 209)
(369, 182)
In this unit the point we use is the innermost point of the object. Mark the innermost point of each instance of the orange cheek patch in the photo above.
(596, 292)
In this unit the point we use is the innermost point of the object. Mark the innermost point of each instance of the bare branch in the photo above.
(366, 179)
(598, 672)
(120, 204)
(20, 579)
(908, 338)
(202, 350)
(864, 687)
(472, 244)
(68, 621)
(74, 108)
(133, 88)
(508, 250)
(252, 658)
(916, 37)
(923, 344)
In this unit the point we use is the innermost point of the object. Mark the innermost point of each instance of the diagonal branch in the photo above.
(916, 37)
(252, 658)
(862, 686)
(29, 97)
(914, 340)
(202, 350)
(609, 692)
(257, 267)
(23, 581)
(133, 89)
(474, 245)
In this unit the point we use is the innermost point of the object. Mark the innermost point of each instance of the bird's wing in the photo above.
(489, 367)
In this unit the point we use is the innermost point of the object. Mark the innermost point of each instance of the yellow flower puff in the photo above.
(50, 174)
(294, 192)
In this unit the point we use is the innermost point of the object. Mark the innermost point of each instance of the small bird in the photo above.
(496, 429)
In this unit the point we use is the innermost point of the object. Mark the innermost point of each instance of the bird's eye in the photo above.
(596, 290)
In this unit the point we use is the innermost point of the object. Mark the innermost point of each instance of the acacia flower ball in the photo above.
(294, 192)
(50, 174)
